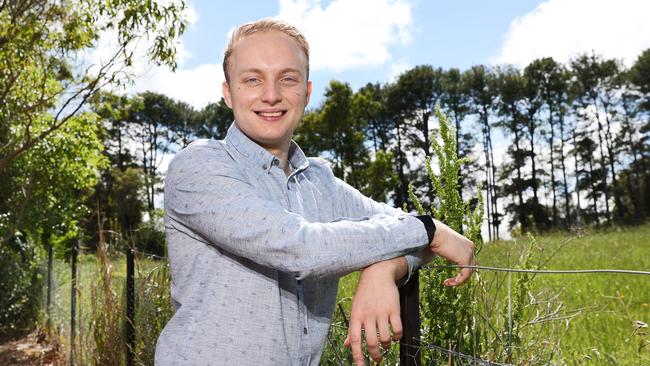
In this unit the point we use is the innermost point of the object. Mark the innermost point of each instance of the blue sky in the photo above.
(360, 41)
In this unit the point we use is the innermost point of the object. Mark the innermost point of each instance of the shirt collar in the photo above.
(257, 156)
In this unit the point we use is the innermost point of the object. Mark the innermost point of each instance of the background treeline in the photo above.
(552, 145)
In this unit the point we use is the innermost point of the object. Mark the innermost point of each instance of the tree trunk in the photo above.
(603, 165)
(576, 160)
(567, 210)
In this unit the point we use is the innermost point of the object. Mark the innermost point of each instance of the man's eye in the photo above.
(253, 81)
(289, 79)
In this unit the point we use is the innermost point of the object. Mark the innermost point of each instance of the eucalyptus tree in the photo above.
(46, 71)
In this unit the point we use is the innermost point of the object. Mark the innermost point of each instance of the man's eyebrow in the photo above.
(255, 70)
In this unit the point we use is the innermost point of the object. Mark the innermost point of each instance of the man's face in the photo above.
(268, 88)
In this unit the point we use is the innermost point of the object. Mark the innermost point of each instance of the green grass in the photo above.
(608, 305)
(595, 314)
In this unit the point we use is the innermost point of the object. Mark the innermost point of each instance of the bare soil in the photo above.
(33, 349)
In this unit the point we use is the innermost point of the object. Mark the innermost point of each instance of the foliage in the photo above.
(48, 185)
(21, 285)
(150, 235)
(446, 312)
(46, 70)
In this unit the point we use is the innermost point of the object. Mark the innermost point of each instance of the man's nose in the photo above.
(271, 93)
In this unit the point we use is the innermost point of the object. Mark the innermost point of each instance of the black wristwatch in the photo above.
(427, 220)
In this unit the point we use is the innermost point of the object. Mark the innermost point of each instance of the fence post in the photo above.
(409, 298)
(130, 305)
(73, 297)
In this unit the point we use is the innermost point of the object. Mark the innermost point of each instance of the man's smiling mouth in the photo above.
(274, 114)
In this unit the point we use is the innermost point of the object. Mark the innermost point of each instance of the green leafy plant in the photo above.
(447, 312)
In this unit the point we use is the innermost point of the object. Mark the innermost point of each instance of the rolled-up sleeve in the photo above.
(208, 197)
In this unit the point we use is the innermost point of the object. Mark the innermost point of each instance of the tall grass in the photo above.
(101, 303)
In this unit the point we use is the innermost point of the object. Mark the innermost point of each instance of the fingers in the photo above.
(372, 343)
(375, 335)
(457, 249)
(354, 341)
(384, 333)
(396, 324)
(464, 275)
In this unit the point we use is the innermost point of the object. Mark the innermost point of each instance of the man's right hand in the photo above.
(454, 247)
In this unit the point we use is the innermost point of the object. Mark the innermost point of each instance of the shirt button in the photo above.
(264, 166)
(276, 162)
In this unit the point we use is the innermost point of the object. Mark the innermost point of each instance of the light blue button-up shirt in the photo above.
(256, 256)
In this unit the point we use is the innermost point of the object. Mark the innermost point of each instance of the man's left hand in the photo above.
(375, 310)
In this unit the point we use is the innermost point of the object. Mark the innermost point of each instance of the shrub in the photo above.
(21, 286)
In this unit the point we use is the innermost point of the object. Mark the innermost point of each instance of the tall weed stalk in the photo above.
(153, 309)
(107, 315)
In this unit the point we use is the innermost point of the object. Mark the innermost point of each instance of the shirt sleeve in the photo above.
(355, 204)
(208, 198)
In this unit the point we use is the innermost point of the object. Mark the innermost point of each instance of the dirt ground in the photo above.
(30, 350)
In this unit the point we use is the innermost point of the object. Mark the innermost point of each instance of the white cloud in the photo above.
(564, 28)
(397, 68)
(198, 86)
(348, 34)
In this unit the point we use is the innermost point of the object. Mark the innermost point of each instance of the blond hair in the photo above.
(264, 25)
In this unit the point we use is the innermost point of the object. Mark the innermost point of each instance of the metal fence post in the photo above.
(130, 306)
(73, 297)
(409, 298)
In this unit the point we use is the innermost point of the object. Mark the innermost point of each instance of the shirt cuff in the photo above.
(414, 263)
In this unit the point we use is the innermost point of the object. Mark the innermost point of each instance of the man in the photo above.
(259, 234)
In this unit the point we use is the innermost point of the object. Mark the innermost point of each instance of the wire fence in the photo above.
(447, 356)
(546, 271)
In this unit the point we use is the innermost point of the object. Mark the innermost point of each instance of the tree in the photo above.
(213, 120)
(42, 43)
(483, 91)
(43, 202)
(596, 89)
(454, 102)
(151, 116)
(639, 75)
(371, 107)
(511, 95)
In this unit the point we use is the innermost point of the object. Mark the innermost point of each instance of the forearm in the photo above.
(395, 268)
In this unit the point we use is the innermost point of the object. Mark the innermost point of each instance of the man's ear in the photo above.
(309, 86)
(225, 90)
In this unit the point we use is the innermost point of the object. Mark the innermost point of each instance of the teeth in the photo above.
(270, 114)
